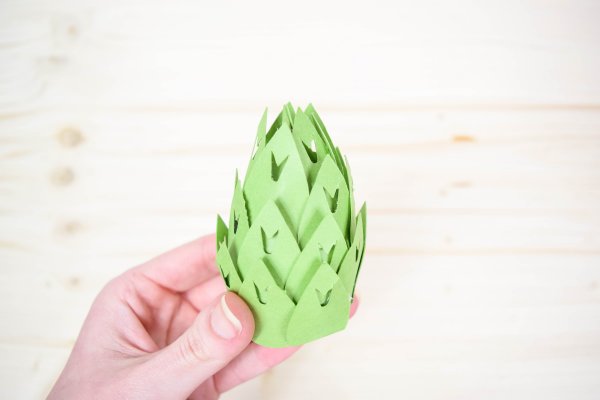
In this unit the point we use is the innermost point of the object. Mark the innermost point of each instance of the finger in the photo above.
(202, 295)
(184, 267)
(354, 305)
(219, 334)
(256, 360)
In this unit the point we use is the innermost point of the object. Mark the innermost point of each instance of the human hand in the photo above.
(166, 329)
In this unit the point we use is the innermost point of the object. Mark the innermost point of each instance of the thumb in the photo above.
(219, 333)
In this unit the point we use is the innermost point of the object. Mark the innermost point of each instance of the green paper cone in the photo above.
(294, 245)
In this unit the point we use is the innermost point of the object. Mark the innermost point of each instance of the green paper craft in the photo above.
(271, 306)
(294, 247)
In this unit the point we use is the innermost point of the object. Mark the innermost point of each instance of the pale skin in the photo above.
(167, 329)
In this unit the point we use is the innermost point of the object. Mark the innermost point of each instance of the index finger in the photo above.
(184, 267)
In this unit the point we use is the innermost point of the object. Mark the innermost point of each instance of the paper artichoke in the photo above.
(293, 247)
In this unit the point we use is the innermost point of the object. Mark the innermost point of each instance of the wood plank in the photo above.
(28, 372)
(386, 55)
(443, 287)
(531, 314)
(477, 162)
(443, 368)
(120, 233)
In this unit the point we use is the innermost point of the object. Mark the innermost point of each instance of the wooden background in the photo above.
(472, 129)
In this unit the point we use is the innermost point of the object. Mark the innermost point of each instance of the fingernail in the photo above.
(224, 322)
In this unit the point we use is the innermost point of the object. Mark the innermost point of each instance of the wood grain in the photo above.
(472, 130)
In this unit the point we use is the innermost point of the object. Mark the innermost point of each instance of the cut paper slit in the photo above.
(305, 135)
(311, 151)
(236, 220)
(332, 200)
(293, 245)
(326, 256)
(323, 299)
(259, 296)
(268, 240)
(276, 168)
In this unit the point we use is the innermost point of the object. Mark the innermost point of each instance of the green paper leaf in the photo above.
(341, 164)
(349, 268)
(288, 115)
(239, 223)
(320, 126)
(230, 274)
(270, 305)
(277, 124)
(311, 147)
(261, 134)
(221, 232)
(323, 308)
(328, 196)
(352, 226)
(269, 240)
(326, 236)
(289, 189)
(363, 215)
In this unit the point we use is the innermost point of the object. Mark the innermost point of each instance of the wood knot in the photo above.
(70, 137)
(463, 139)
(62, 176)
(73, 30)
(70, 228)
(73, 282)
(461, 184)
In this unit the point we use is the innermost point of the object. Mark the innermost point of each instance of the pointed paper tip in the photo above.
(347, 163)
(288, 114)
(261, 131)
(363, 213)
(263, 118)
(221, 234)
(363, 209)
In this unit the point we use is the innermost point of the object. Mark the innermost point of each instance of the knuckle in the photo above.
(193, 349)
